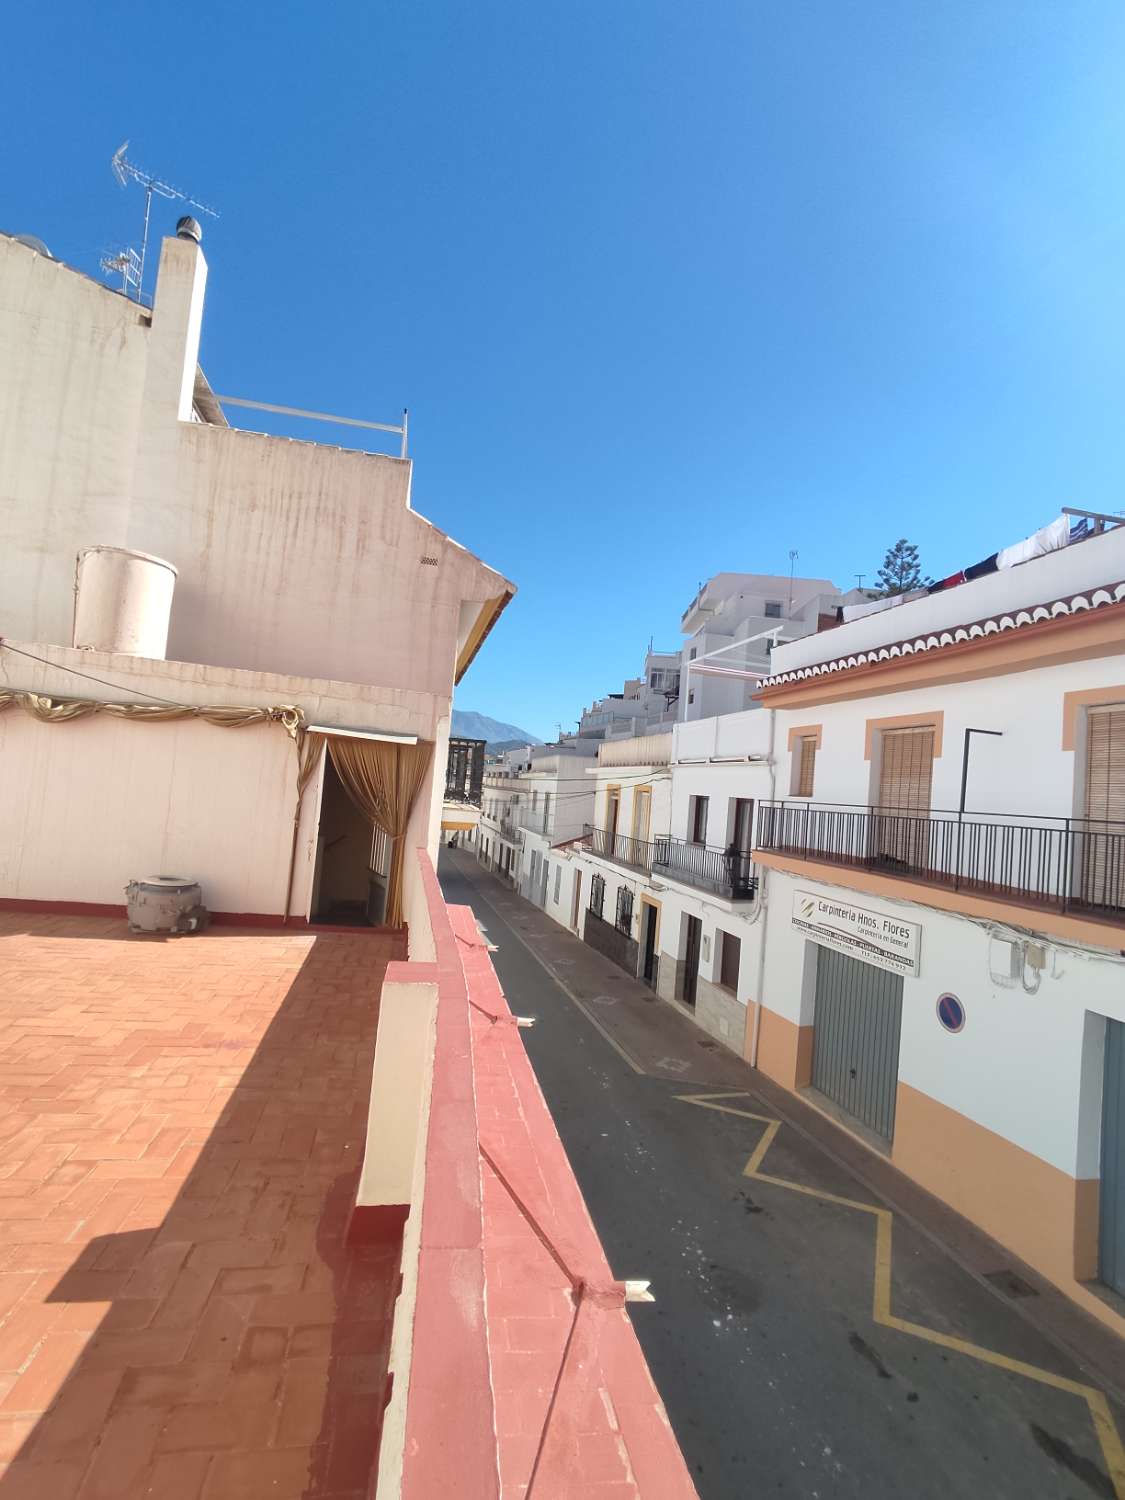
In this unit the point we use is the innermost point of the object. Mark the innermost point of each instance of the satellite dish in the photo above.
(33, 242)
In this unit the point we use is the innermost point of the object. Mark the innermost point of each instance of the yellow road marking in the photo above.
(1098, 1406)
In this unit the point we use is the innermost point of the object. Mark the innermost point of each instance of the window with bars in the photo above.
(804, 766)
(624, 922)
(558, 882)
(597, 894)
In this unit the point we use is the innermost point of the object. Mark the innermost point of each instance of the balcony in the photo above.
(1072, 865)
(619, 848)
(728, 873)
(464, 771)
(536, 820)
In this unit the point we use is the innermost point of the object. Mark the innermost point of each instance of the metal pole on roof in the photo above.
(405, 429)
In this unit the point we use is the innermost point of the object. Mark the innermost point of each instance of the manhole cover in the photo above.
(1010, 1284)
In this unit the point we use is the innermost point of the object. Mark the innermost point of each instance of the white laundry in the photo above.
(1048, 539)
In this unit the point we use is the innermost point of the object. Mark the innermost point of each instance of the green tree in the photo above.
(901, 570)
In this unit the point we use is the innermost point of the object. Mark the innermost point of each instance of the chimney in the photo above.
(177, 320)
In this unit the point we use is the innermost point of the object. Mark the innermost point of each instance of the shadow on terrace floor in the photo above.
(181, 1131)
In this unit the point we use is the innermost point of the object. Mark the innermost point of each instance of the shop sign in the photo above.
(887, 942)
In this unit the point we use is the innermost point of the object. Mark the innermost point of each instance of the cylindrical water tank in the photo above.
(123, 601)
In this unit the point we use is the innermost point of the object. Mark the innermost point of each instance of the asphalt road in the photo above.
(761, 1340)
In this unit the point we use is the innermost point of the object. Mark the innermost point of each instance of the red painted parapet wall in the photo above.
(526, 1377)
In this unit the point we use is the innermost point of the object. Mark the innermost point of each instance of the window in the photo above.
(642, 813)
(1101, 868)
(624, 922)
(691, 697)
(558, 882)
(546, 811)
(692, 654)
(773, 609)
(730, 955)
(697, 820)
(804, 765)
(597, 895)
(906, 769)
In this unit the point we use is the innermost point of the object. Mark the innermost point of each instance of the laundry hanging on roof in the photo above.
(978, 570)
(1046, 539)
(948, 583)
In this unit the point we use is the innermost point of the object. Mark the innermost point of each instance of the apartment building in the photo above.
(613, 891)
(731, 626)
(557, 805)
(944, 862)
(503, 794)
(644, 705)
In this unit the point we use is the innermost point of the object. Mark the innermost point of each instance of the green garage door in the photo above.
(856, 1030)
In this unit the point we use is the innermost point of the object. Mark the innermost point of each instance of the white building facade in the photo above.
(288, 580)
(944, 968)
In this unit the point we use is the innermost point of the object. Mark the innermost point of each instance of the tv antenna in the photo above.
(128, 263)
(793, 555)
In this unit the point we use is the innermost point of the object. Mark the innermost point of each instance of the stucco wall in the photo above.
(217, 802)
(1025, 1064)
(92, 804)
(293, 557)
(1025, 771)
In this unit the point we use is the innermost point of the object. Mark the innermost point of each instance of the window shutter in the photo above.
(1105, 763)
(907, 770)
(1101, 862)
(806, 772)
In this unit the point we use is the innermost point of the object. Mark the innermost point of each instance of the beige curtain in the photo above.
(59, 710)
(383, 780)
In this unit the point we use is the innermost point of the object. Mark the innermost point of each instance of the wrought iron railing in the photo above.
(618, 847)
(727, 872)
(1070, 864)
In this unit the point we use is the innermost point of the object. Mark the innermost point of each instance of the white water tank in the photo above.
(123, 601)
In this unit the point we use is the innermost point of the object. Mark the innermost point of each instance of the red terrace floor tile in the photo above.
(181, 1125)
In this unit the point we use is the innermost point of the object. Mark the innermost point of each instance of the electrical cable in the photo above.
(89, 676)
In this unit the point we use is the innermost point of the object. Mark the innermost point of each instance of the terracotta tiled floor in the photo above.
(181, 1126)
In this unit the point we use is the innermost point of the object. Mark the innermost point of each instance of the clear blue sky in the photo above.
(668, 288)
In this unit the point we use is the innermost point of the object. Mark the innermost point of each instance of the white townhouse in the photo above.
(944, 887)
(557, 805)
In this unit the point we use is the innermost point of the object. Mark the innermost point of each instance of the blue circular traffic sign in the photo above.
(951, 1013)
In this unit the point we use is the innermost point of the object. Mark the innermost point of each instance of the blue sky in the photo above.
(668, 288)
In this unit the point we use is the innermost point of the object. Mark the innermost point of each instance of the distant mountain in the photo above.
(498, 734)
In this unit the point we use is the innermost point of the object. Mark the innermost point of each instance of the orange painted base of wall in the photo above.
(1047, 1217)
(784, 1049)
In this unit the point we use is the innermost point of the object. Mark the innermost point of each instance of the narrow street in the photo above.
(782, 1370)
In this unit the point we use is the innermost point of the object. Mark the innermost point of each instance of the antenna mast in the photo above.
(128, 262)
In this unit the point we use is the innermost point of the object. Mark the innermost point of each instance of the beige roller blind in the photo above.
(806, 771)
(1100, 846)
(1105, 763)
(907, 769)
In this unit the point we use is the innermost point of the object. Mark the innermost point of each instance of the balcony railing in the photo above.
(1067, 864)
(618, 847)
(727, 872)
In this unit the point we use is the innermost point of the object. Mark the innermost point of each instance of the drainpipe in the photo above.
(757, 1032)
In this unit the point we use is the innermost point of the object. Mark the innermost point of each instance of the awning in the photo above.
(343, 733)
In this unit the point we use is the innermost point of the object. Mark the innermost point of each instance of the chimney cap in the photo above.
(188, 228)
